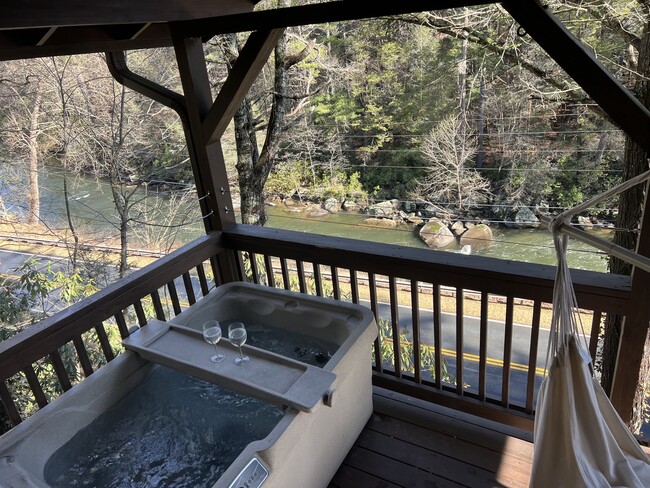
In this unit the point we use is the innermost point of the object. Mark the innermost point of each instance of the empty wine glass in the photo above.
(237, 335)
(212, 334)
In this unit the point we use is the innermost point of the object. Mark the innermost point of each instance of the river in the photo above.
(94, 213)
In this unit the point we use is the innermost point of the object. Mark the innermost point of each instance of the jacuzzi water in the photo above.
(172, 430)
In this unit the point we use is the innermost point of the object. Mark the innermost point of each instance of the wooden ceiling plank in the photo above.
(47, 35)
(45, 13)
(21, 44)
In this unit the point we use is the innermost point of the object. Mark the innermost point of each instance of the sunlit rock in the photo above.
(437, 235)
(479, 236)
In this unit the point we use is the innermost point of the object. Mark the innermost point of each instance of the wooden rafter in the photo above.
(250, 62)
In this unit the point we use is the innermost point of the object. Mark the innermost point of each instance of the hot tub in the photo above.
(324, 404)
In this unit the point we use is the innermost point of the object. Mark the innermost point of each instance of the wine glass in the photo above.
(212, 334)
(237, 336)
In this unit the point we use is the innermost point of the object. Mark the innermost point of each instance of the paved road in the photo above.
(471, 339)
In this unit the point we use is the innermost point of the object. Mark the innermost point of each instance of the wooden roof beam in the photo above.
(250, 62)
(319, 13)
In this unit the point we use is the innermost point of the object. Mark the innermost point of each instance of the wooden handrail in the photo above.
(602, 291)
(37, 341)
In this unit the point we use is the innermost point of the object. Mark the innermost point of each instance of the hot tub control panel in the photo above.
(252, 476)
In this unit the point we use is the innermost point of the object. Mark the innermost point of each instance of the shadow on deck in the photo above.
(411, 443)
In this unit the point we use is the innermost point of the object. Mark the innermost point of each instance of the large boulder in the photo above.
(387, 209)
(437, 235)
(585, 222)
(458, 228)
(413, 219)
(382, 223)
(315, 211)
(409, 207)
(525, 217)
(351, 206)
(331, 205)
(478, 236)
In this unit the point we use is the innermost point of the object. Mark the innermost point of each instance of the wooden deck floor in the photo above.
(410, 443)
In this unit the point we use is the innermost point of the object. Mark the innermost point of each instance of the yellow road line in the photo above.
(476, 359)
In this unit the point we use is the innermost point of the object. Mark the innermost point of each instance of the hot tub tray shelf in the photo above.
(268, 376)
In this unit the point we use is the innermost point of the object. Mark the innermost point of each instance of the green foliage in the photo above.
(427, 353)
(297, 178)
(393, 175)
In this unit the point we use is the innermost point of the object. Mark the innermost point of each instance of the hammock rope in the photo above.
(580, 441)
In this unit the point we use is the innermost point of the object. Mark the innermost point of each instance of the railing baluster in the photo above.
(9, 404)
(189, 288)
(437, 335)
(171, 287)
(482, 366)
(83, 355)
(459, 340)
(254, 271)
(139, 313)
(286, 280)
(157, 306)
(394, 322)
(532, 356)
(239, 266)
(105, 343)
(595, 332)
(336, 289)
(203, 281)
(121, 321)
(216, 271)
(354, 287)
(372, 288)
(59, 369)
(318, 279)
(415, 318)
(507, 352)
(300, 268)
(35, 386)
(270, 277)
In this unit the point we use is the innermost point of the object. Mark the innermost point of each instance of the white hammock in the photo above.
(580, 441)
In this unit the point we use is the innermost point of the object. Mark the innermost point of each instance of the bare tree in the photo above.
(449, 150)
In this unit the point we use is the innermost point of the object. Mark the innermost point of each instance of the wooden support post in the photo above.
(207, 159)
(634, 329)
(250, 62)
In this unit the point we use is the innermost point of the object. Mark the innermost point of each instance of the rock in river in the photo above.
(479, 236)
(436, 234)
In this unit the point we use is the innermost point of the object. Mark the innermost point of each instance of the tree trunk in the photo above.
(253, 166)
(32, 144)
(630, 209)
(71, 226)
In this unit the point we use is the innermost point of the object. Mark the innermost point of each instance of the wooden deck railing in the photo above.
(412, 292)
(73, 343)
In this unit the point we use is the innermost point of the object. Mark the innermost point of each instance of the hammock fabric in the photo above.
(580, 441)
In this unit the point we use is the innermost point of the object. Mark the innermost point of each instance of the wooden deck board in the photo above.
(410, 443)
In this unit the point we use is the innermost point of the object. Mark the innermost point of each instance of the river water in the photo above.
(528, 245)
(93, 210)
